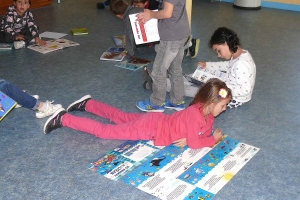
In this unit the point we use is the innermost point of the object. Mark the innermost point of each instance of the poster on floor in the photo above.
(175, 173)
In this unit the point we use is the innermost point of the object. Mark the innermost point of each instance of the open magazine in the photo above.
(133, 64)
(144, 33)
(203, 75)
(6, 105)
(53, 45)
(175, 173)
(113, 54)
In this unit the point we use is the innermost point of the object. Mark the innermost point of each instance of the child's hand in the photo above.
(144, 16)
(180, 143)
(218, 135)
(202, 63)
(19, 37)
(39, 41)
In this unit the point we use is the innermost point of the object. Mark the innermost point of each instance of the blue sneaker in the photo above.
(177, 107)
(147, 106)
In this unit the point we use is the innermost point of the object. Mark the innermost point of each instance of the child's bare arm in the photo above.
(39, 41)
(218, 135)
(202, 63)
(161, 14)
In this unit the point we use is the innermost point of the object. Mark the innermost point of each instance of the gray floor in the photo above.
(54, 166)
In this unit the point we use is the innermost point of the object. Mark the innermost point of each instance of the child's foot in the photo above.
(177, 107)
(54, 121)
(147, 106)
(19, 44)
(194, 48)
(148, 82)
(49, 109)
(79, 105)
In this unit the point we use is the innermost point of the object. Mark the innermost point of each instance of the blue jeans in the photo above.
(168, 61)
(18, 95)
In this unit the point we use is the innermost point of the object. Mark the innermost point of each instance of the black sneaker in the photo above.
(54, 121)
(148, 82)
(194, 48)
(79, 105)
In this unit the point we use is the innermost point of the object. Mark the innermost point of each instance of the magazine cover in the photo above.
(79, 31)
(119, 40)
(6, 105)
(114, 54)
(144, 33)
(175, 173)
(53, 45)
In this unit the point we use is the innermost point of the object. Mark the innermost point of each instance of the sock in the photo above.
(43, 108)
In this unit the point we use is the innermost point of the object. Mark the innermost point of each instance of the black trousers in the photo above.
(8, 38)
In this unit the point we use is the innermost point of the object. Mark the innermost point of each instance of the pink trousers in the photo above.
(128, 126)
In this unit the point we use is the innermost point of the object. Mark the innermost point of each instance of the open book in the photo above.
(133, 64)
(144, 33)
(205, 74)
(52, 45)
(113, 54)
(6, 105)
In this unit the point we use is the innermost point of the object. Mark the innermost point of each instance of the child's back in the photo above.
(129, 37)
(122, 10)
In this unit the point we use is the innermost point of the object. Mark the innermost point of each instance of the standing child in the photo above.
(43, 109)
(173, 28)
(192, 46)
(18, 26)
(240, 67)
(194, 123)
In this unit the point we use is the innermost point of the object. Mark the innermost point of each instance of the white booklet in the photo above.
(53, 45)
(205, 74)
(144, 33)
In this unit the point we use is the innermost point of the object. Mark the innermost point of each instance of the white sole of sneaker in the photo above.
(79, 100)
(149, 110)
(50, 118)
(178, 109)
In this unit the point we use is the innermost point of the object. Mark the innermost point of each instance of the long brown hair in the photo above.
(209, 92)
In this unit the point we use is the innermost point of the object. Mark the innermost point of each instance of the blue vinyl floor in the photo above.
(54, 166)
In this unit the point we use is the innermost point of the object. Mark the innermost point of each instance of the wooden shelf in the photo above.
(4, 4)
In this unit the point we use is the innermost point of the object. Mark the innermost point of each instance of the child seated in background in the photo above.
(18, 26)
(122, 10)
(240, 66)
